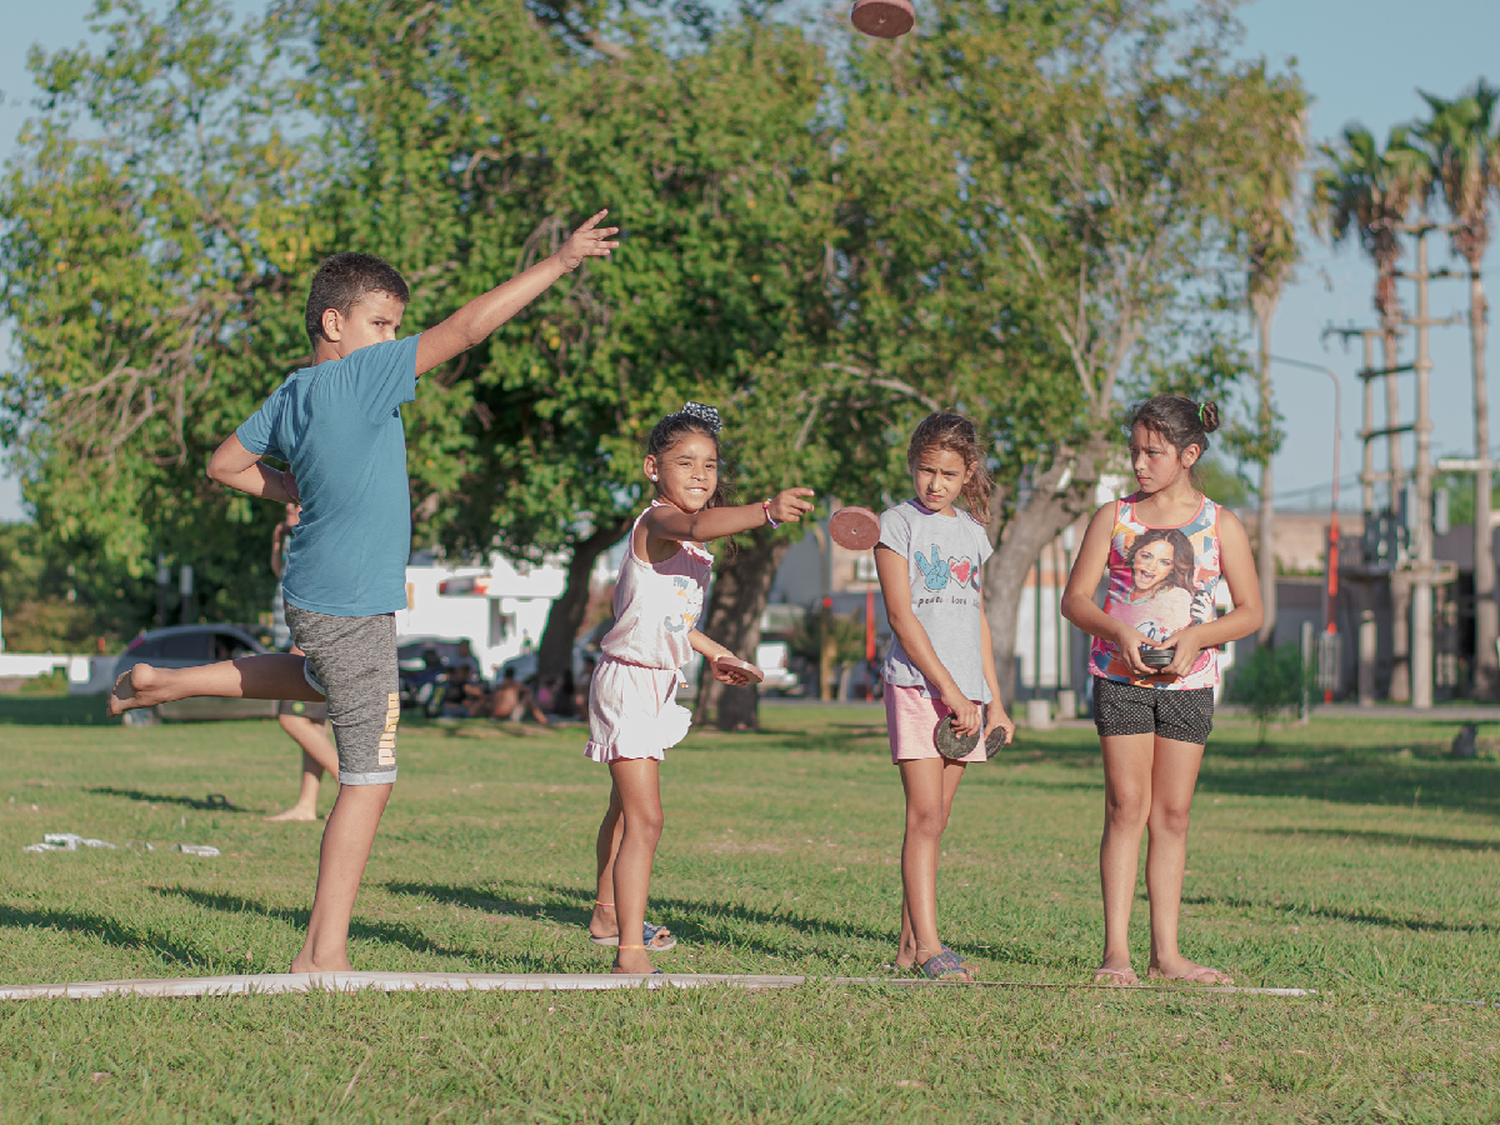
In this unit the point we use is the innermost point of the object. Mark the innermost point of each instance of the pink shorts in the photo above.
(911, 718)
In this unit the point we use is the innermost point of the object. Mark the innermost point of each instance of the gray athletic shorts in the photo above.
(1172, 713)
(352, 662)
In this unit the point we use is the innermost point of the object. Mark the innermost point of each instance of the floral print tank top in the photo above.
(1161, 580)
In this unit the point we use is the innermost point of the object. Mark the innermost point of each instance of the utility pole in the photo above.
(1424, 576)
(1421, 601)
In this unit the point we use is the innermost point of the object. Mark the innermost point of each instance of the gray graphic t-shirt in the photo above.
(944, 556)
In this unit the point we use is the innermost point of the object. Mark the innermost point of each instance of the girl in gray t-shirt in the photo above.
(929, 559)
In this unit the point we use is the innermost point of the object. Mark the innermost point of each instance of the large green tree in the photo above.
(1045, 214)
(155, 218)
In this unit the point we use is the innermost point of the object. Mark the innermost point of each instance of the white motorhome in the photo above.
(500, 608)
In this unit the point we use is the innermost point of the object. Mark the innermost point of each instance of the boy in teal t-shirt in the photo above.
(337, 424)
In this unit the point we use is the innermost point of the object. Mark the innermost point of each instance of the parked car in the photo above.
(772, 658)
(423, 664)
(184, 646)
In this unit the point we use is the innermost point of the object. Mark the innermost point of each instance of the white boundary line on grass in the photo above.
(266, 984)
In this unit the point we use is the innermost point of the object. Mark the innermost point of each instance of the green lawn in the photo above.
(1349, 857)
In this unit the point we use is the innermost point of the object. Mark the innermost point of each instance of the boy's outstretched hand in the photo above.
(588, 241)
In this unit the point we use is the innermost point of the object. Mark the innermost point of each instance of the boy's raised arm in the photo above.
(487, 312)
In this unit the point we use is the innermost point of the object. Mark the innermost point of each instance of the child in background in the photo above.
(940, 663)
(633, 713)
(338, 425)
(306, 723)
(1166, 545)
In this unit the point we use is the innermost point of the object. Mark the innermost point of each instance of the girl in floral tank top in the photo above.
(633, 711)
(1165, 549)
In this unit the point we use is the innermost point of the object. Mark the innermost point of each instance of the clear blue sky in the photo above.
(1361, 59)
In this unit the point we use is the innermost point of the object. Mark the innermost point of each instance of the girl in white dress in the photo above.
(633, 712)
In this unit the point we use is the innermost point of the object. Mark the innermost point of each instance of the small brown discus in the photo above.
(855, 529)
(884, 19)
(951, 745)
(743, 667)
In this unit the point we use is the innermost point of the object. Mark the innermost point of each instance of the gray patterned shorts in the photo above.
(1181, 716)
(352, 662)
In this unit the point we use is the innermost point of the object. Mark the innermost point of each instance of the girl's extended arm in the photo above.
(666, 522)
(1078, 604)
(995, 715)
(1238, 565)
(234, 466)
(895, 585)
(712, 650)
(473, 323)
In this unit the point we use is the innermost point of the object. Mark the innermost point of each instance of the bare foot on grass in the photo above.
(295, 813)
(1189, 972)
(142, 686)
(304, 964)
(632, 960)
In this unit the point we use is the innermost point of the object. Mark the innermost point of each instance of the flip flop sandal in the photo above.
(968, 967)
(1116, 978)
(944, 966)
(648, 935)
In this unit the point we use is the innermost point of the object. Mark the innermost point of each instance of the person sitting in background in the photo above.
(511, 700)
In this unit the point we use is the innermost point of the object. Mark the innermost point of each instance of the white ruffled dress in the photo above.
(633, 708)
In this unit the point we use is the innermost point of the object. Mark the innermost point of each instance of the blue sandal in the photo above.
(648, 935)
(945, 966)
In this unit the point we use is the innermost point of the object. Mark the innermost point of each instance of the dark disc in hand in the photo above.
(951, 744)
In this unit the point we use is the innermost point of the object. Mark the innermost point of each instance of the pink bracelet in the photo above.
(766, 507)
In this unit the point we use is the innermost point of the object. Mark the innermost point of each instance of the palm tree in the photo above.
(1367, 194)
(1462, 142)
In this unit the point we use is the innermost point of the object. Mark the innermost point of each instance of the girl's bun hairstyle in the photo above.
(955, 434)
(1181, 421)
(693, 418)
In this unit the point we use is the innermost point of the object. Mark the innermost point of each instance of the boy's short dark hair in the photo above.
(342, 280)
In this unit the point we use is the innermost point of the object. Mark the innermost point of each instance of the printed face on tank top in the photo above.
(682, 617)
(1161, 580)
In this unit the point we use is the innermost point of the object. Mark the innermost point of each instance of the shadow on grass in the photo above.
(54, 711)
(111, 931)
(1340, 914)
(1388, 839)
(691, 920)
(213, 802)
(393, 933)
(1385, 781)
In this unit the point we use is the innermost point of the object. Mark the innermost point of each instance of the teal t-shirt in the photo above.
(338, 424)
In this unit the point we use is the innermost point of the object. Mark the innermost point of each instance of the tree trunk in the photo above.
(735, 606)
(1265, 561)
(555, 657)
(1486, 611)
(1035, 524)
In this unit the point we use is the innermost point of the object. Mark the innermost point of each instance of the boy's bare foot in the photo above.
(1116, 978)
(304, 964)
(1190, 973)
(140, 687)
(295, 813)
(632, 959)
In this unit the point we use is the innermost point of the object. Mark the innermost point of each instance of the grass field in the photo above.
(1351, 857)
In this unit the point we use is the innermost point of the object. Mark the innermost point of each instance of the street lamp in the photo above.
(1333, 518)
